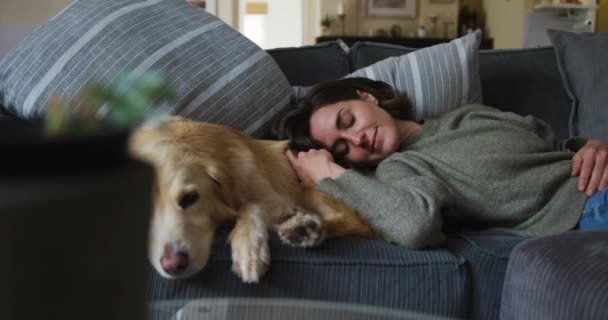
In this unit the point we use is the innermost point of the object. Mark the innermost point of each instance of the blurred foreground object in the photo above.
(124, 103)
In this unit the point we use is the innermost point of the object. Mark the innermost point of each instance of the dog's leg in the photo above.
(340, 220)
(249, 242)
(301, 228)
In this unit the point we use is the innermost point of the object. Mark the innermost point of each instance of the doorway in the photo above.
(275, 23)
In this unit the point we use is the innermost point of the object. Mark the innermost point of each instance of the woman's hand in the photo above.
(589, 164)
(313, 166)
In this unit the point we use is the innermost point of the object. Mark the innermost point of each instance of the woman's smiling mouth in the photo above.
(373, 142)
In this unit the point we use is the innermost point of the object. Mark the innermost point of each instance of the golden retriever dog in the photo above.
(208, 174)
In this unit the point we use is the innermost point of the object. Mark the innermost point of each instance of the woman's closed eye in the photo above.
(345, 119)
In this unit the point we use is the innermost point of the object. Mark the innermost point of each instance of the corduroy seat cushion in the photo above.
(352, 270)
(558, 277)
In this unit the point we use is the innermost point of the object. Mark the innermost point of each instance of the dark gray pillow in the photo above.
(581, 59)
(219, 75)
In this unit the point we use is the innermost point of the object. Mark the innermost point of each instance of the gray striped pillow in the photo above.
(219, 75)
(437, 79)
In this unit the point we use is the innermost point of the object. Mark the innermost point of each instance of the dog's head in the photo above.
(190, 201)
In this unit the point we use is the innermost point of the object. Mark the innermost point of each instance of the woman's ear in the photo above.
(367, 97)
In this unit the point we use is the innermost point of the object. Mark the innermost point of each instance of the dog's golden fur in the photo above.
(207, 174)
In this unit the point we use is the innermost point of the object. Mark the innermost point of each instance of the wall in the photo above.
(505, 22)
(505, 19)
(362, 24)
(281, 26)
(311, 19)
(357, 22)
(602, 17)
(29, 12)
(285, 24)
(307, 13)
(18, 18)
(446, 13)
(226, 11)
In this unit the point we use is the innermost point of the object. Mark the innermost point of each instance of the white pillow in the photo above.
(437, 79)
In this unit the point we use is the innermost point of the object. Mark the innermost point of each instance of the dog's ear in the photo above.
(223, 183)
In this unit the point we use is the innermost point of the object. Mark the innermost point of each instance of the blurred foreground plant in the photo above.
(124, 103)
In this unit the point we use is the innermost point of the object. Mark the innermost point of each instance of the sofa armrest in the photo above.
(558, 277)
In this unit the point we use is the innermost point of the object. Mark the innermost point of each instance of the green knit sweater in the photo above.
(487, 169)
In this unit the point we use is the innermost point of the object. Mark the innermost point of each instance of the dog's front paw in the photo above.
(250, 254)
(301, 228)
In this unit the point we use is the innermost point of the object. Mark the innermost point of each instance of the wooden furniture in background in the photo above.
(406, 42)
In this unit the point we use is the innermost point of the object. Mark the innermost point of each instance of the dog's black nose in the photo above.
(174, 262)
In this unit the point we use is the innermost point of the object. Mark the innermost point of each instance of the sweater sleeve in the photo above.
(404, 209)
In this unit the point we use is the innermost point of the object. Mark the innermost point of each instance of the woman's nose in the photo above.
(356, 138)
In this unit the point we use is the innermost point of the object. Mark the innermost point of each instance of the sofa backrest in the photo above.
(308, 65)
(525, 81)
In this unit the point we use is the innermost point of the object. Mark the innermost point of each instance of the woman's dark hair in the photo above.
(295, 125)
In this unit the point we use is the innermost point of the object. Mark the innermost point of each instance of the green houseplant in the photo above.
(122, 104)
(326, 22)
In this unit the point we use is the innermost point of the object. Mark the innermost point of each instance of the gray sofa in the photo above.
(476, 275)
(463, 280)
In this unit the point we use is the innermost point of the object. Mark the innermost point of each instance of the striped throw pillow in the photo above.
(218, 74)
(437, 79)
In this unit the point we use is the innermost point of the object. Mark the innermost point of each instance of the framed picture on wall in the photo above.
(391, 8)
(208, 5)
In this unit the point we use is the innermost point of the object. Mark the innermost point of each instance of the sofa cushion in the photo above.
(558, 277)
(527, 82)
(352, 270)
(437, 79)
(4, 114)
(308, 65)
(218, 74)
(581, 58)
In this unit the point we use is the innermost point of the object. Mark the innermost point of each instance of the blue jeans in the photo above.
(595, 214)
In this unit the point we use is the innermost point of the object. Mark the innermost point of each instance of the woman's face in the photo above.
(358, 130)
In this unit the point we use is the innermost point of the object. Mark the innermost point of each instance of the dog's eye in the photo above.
(188, 199)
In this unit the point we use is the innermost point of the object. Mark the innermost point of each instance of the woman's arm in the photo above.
(403, 207)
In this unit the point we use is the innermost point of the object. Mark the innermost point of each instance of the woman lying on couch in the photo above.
(476, 165)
